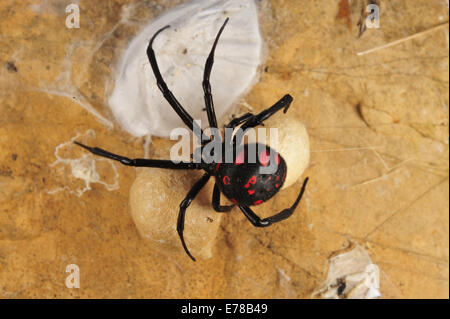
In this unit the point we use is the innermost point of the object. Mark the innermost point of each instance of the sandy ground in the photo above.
(378, 125)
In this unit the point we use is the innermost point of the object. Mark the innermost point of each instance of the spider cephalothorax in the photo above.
(255, 173)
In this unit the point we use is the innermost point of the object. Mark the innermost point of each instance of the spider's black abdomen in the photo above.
(245, 182)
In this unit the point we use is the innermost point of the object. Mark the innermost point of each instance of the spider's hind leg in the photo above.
(185, 204)
(286, 213)
(216, 202)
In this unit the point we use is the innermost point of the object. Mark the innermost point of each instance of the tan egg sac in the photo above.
(292, 143)
(155, 198)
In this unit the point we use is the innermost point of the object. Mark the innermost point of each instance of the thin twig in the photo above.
(387, 45)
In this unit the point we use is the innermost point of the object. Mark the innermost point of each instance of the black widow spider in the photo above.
(240, 181)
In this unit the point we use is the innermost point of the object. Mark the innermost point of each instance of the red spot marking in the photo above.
(277, 185)
(264, 158)
(270, 177)
(233, 201)
(251, 191)
(252, 180)
(258, 202)
(277, 159)
(217, 166)
(226, 180)
(240, 158)
(278, 177)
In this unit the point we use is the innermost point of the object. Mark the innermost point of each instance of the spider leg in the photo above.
(207, 85)
(283, 103)
(286, 213)
(239, 120)
(233, 123)
(140, 162)
(216, 201)
(185, 204)
(168, 95)
(251, 120)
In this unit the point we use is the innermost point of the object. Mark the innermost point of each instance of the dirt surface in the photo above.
(378, 126)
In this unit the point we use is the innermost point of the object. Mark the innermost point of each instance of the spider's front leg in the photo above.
(286, 213)
(185, 204)
(168, 95)
(206, 83)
